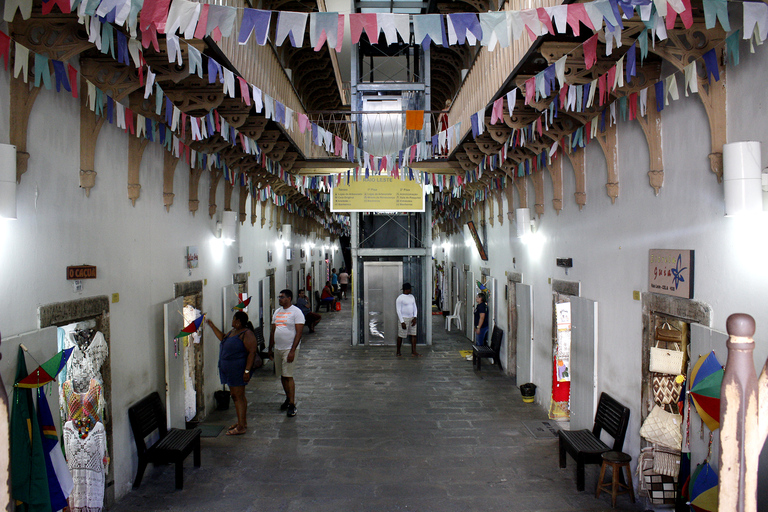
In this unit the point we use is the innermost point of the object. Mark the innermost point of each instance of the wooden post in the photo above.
(741, 435)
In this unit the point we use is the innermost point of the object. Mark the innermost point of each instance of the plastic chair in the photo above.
(455, 316)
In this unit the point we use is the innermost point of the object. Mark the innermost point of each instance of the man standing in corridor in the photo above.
(406, 313)
(284, 340)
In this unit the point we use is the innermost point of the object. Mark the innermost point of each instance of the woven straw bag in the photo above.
(663, 428)
(664, 360)
(666, 461)
(666, 389)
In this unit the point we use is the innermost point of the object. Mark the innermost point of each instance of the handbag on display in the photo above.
(666, 389)
(660, 489)
(666, 461)
(664, 360)
(668, 333)
(663, 428)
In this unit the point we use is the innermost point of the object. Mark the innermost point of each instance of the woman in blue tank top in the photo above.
(236, 354)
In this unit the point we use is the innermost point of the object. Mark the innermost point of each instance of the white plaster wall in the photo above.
(139, 252)
(609, 243)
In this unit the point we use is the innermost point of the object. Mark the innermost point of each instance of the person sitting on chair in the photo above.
(327, 295)
(311, 318)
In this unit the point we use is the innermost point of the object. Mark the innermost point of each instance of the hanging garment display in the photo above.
(90, 352)
(85, 444)
(83, 406)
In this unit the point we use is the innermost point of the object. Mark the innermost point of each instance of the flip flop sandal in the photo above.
(236, 432)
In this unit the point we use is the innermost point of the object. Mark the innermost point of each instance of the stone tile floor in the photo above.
(377, 433)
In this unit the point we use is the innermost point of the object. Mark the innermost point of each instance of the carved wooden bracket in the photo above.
(254, 204)
(538, 190)
(228, 195)
(510, 199)
(681, 48)
(473, 152)
(214, 185)
(578, 161)
(22, 99)
(500, 200)
(169, 169)
(90, 125)
(522, 192)
(136, 147)
(609, 142)
(490, 209)
(651, 125)
(556, 173)
(194, 182)
(241, 204)
(263, 213)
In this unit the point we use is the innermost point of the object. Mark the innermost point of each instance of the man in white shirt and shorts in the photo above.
(406, 313)
(284, 340)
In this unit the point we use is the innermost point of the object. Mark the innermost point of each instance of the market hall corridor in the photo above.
(375, 432)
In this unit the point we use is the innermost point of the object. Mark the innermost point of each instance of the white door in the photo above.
(454, 287)
(266, 300)
(230, 299)
(583, 362)
(173, 322)
(524, 297)
(469, 325)
(493, 304)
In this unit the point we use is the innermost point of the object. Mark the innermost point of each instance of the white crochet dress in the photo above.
(85, 458)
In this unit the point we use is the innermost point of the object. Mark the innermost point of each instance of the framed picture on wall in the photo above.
(269, 256)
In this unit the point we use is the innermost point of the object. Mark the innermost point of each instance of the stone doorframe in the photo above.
(60, 314)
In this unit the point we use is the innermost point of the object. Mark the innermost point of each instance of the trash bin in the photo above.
(529, 392)
(222, 400)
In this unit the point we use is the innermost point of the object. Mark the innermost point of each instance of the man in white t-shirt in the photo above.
(284, 340)
(406, 314)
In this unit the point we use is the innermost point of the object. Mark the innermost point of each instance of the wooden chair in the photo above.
(585, 446)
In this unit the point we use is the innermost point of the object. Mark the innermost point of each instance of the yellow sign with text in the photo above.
(378, 194)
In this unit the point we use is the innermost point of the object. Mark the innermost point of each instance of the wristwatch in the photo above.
(247, 371)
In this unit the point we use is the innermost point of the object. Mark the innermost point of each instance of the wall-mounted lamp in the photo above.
(524, 224)
(742, 178)
(225, 228)
(7, 181)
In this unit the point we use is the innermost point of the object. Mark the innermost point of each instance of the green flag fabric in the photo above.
(29, 478)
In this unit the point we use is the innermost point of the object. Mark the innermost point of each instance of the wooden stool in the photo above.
(616, 460)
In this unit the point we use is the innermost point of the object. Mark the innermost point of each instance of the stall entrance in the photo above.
(380, 296)
(184, 377)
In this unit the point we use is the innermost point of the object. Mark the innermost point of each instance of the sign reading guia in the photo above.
(670, 271)
(378, 194)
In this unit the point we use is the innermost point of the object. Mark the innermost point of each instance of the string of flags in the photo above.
(755, 24)
(191, 19)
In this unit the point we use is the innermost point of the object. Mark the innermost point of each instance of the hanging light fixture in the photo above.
(742, 178)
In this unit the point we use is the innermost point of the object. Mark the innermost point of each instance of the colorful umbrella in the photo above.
(704, 489)
(47, 371)
(193, 327)
(706, 379)
(481, 286)
(242, 305)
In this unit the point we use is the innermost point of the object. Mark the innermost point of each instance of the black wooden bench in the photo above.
(262, 346)
(327, 303)
(585, 446)
(492, 351)
(173, 446)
